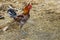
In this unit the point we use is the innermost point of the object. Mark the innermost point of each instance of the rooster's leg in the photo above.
(20, 26)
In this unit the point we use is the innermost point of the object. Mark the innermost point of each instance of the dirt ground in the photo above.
(44, 22)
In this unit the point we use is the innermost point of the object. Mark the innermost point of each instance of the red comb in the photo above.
(29, 6)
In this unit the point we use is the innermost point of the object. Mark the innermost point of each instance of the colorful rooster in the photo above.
(22, 18)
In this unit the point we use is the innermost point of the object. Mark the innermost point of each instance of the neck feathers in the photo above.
(27, 9)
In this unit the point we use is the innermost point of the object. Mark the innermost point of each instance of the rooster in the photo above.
(22, 18)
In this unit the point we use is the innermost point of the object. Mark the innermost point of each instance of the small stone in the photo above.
(5, 28)
(1, 17)
(22, 39)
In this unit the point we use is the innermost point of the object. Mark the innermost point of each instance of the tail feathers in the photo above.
(12, 13)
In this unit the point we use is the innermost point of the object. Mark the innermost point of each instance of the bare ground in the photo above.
(44, 22)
